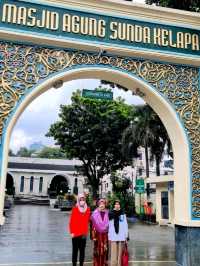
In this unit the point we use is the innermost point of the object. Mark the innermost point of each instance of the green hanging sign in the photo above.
(93, 94)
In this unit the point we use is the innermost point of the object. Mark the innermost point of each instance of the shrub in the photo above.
(127, 202)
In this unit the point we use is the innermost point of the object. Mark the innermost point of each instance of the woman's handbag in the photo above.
(125, 256)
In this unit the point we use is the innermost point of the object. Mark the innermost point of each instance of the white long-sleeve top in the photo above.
(123, 229)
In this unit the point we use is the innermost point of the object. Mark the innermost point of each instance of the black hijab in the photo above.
(114, 215)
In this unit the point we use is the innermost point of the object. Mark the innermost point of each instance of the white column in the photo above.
(17, 181)
(36, 182)
(46, 182)
(171, 207)
(2, 197)
(158, 203)
(27, 179)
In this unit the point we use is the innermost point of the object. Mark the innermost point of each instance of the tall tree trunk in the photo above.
(147, 160)
(157, 165)
(95, 190)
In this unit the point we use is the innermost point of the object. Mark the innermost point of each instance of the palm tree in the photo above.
(158, 144)
(146, 130)
(130, 143)
(139, 133)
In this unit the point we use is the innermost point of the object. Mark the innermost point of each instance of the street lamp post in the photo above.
(132, 173)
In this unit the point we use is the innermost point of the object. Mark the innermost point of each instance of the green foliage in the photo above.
(120, 183)
(130, 205)
(127, 202)
(190, 5)
(60, 197)
(11, 153)
(111, 199)
(51, 153)
(24, 152)
(91, 202)
(91, 130)
(146, 130)
(70, 197)
(113, 85)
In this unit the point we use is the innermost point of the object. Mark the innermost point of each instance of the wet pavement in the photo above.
(37, 235)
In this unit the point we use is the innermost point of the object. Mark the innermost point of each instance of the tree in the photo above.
(113, 85)
(51, 153)
(120, 184)
(146, 130)
(24, 152)
(140, 132)
(190, 5)
(11, 153)
(158, 144)
(91, 130)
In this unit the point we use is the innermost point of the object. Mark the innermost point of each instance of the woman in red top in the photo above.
(78, 227)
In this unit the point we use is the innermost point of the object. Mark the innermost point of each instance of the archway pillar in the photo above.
(2, 195)
(171, 88)
(164, 87)
(164, 109)
(187, 245)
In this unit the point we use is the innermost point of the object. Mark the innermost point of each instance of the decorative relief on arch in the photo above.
(22, 67)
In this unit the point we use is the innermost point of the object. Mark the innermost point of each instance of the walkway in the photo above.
(37, 235)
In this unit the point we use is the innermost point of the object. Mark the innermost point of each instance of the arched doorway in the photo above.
(58, 186)
(157, 101)
(10, 187)
(171, 89)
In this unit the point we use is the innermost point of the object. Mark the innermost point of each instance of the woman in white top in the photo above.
(117, 233)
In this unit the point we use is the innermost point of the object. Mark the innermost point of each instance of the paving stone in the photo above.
(38, 235)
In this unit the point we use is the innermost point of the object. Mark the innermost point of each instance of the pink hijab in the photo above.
(100, 225)
(83, 208)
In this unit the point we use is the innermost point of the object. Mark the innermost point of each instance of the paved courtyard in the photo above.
(37, 235)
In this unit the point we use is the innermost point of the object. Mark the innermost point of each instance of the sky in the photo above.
(29, 129)
(139, 1)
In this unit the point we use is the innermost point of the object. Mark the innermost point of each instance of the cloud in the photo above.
(36, 119)
(20, 139)
(51, 99)
(140, 1)
(128, 96)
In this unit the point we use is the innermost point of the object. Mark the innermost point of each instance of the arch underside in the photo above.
(58, 182)
(23, 67)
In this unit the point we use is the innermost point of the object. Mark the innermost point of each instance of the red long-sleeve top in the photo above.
(79, 222)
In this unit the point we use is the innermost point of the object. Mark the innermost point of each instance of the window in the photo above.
(168, 164)
(151, 163)
(140, 171)
(164, 205)
(22, 184)
(40, 184)
(31, 183)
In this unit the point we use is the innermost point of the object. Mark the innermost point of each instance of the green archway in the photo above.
(162, 62)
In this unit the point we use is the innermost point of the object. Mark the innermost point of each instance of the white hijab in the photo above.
(83, 208)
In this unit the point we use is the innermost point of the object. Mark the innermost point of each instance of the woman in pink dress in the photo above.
(100, 222)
